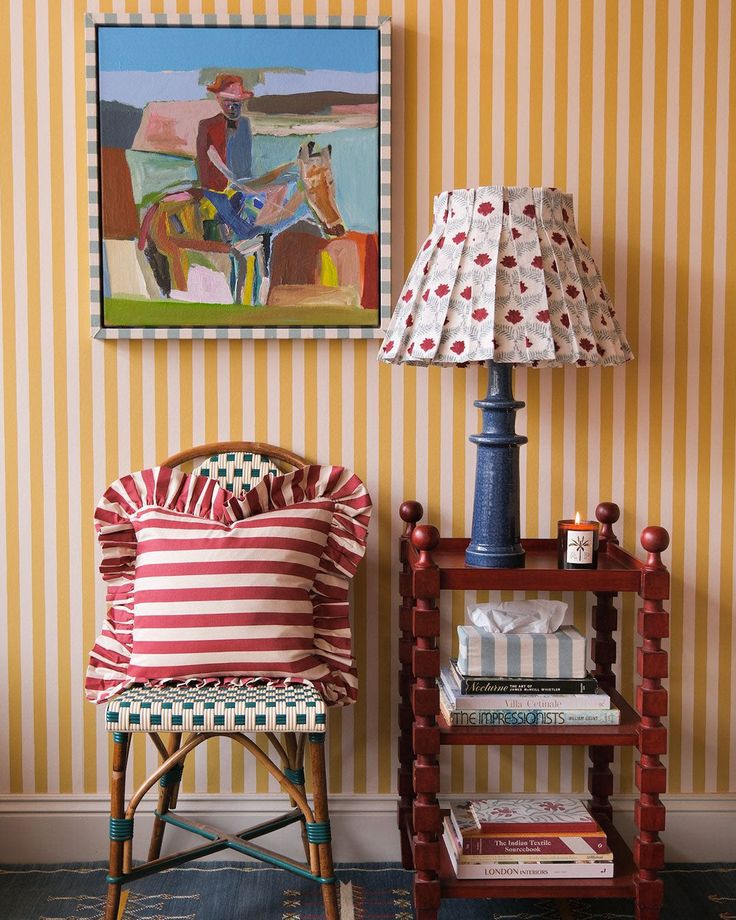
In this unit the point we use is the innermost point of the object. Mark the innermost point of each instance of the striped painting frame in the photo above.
(99, 330)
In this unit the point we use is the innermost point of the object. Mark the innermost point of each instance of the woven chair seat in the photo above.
(217, 708)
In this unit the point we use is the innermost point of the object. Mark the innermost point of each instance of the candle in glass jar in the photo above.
(577, 544)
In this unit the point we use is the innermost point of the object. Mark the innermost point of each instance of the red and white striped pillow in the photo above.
(203, 585)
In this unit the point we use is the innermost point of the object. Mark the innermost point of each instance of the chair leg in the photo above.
(321, 816)
(117, 813)
(167, 795)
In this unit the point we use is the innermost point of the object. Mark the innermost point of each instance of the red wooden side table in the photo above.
(430, 565)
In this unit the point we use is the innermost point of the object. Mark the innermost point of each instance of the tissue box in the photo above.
(486, 654)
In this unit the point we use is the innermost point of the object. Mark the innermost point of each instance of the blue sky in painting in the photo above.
(157, 48)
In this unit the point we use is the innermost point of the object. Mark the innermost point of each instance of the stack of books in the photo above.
(516, 838)
(518, 701)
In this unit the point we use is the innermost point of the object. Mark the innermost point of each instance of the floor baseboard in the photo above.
(73, 828)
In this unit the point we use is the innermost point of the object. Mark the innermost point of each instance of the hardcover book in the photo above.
(500, 870)
(544, 848)
(525, 814)
(597, 700)
(472, 841)
(490, 718)
(471, 686)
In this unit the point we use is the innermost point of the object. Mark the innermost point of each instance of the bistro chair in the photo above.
(292, 718)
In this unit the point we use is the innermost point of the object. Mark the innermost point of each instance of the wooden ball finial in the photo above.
(410, 512)
(424, 539)
(608, 513)
(654, 540)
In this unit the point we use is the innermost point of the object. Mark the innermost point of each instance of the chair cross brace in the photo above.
(221, 841)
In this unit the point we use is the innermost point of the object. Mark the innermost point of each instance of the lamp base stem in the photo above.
(495, 540)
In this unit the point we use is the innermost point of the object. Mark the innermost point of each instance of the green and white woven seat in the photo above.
(217, 708)
(238, 471)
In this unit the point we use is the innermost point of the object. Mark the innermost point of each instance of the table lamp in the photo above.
(504, 278)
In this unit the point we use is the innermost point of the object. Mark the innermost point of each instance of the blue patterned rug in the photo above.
(235, 891)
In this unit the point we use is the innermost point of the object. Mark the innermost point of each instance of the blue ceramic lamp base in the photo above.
(495, 540)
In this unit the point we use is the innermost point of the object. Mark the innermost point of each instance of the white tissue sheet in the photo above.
(485, 654)
(532, 616)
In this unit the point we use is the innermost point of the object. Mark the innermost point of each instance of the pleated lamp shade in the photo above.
(504, 276)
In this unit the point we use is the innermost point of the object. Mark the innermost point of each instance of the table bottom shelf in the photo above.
(620, 886)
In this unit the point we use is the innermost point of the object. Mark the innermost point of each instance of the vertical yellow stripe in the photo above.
(681, 357)
(334, 455)
(728, 422)
(704, 356)
(161, 398)
(360, 624)
(35, 409)
(61, 406)
(511, 69)
(10, 421)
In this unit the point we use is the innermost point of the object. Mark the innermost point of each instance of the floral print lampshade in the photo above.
(504, 276)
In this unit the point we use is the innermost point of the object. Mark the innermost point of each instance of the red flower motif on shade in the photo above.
(599, 348)
(581, 362)
(586, 344)
(514, 317)
(444, 216)
(548, 292)
(603, 321)
(425, 295)
(558, 238)
(408, 296)
(584, 266)
(537, 262)
(515, 233)
(565, 320)
(441, 290)
(440, 242)
(543, 316)
(480, 314)
(426, 269)
(466, 293)
(410, 349)
(569, 242)
(458, 238)
(485, 208)
(557, 347)
(482, 259)
(508, 262)
(522, 287)
(388, 346)
(458, 347)
(427, 244)
(409, 320)
(572, 291)
(554, 267)
(530, 211)
(427, 344)
(527, 341)
(564, 215)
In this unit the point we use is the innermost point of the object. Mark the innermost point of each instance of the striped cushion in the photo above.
(203, 584)
(214, 707)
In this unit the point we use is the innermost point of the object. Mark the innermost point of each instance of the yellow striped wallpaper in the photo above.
(630, 106)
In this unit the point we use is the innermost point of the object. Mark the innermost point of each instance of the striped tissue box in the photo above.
(485, 654)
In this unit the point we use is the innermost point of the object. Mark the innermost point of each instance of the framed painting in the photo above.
(239, 176)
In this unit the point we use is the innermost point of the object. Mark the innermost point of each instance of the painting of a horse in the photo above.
(238, 176)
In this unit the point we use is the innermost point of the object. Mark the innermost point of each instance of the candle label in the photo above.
(580, 546)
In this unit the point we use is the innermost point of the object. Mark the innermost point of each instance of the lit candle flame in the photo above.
(577, 517)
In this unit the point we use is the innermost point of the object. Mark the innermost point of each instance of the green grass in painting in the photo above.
(127, 311)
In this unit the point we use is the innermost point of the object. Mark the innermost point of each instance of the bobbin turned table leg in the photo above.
(425, 630)
(603, 653)
(410, 513)
(121, 829)
(651, 700)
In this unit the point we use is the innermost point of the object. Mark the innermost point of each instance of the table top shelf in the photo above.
(617, 570)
